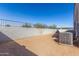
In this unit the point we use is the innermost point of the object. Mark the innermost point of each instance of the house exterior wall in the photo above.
(76, 20)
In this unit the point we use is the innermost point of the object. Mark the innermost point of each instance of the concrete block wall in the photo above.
(19, 32)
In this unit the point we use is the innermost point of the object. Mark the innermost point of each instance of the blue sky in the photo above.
(60, 14)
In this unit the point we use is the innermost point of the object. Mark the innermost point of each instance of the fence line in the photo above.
(13, 23)
(4, 22)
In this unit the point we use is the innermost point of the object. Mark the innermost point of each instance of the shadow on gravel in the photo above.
(12, 48)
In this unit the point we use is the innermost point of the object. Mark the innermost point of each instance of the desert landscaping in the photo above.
(44, 31)
(43, 45)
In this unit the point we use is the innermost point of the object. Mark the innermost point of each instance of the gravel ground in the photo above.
(39, 45)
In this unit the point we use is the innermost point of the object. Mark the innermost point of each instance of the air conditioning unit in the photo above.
(66, 38)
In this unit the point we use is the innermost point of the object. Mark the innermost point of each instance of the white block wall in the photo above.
(19, 32)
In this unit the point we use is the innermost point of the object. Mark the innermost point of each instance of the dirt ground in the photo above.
(39, 45)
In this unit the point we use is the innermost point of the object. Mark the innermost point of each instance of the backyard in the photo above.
(43, 45)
